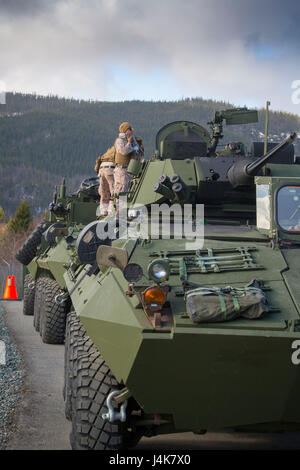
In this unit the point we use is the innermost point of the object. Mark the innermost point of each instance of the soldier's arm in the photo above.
(123, 147)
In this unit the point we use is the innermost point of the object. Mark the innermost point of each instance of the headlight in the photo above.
(159, 270)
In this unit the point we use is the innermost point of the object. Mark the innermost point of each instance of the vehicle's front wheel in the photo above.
(92, 385)
(94, 382)
(77, 343)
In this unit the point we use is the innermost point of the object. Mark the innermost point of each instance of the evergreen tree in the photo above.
(11, 224)
(2, 215)
(22, 218)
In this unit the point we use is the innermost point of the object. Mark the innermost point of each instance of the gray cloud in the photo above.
(17, 8)
(241, 51)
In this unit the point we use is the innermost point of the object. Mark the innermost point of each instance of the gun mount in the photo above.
(242, 174)
(231, 116)
(186, 168)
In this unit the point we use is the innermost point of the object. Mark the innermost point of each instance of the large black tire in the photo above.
(39, 286)
(67, 392)
(28, 295)
(28, 251)
(53, 316)
(93, 383)
(76, 343)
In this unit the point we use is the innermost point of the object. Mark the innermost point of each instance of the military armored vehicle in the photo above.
(169, 332)
(165, 337)
(46, 252)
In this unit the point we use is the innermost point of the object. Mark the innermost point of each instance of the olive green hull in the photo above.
(205, 378)
(54, 261)
(208, 379)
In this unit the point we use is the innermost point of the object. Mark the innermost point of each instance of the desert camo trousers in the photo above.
(122, 183)
(106, 189)
(122, 180)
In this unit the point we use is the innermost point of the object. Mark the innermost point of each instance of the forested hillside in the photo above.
(45, 138)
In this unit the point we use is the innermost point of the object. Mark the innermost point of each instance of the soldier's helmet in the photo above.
(125, 126)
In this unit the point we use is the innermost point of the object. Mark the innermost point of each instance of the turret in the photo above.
(188, 168)
(220, 179)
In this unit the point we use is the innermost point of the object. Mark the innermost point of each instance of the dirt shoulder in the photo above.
(11, 381)
(40, 422)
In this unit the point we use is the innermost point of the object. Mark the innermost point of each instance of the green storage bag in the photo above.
(215, 304)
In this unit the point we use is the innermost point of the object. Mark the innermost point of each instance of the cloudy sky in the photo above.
(241, 51)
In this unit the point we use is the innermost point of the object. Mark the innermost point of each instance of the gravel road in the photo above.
(40, 422)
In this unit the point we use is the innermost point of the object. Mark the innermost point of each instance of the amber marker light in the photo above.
(154, 295)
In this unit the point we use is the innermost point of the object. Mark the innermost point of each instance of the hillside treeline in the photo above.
(45, 138)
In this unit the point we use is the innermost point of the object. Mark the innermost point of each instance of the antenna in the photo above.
(266, 127)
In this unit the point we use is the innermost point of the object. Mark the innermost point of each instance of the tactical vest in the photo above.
(109, 155)
(123, 160)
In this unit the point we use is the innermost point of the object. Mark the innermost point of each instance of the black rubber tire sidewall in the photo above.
(37, 302)
(53, 319)
(77, 343)
(28, 251)
(29, 295)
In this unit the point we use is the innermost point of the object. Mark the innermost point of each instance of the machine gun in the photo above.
(231, 116)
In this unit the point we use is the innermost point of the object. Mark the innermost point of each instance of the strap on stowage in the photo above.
(223, 305)
(238, 291)
(182, 270)
(214, 304)
(236, 304)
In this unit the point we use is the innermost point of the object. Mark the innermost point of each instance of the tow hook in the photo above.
(61, 298)
(112, 414)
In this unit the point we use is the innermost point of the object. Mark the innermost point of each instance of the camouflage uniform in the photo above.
(124, 152)
(126, 148)
(106, 165)
(122, 178)
(106, 187)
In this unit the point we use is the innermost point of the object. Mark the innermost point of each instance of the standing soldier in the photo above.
(105, 166)
(126, 149)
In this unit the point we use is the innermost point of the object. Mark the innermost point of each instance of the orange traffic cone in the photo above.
(6, 285)
(10, 292)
